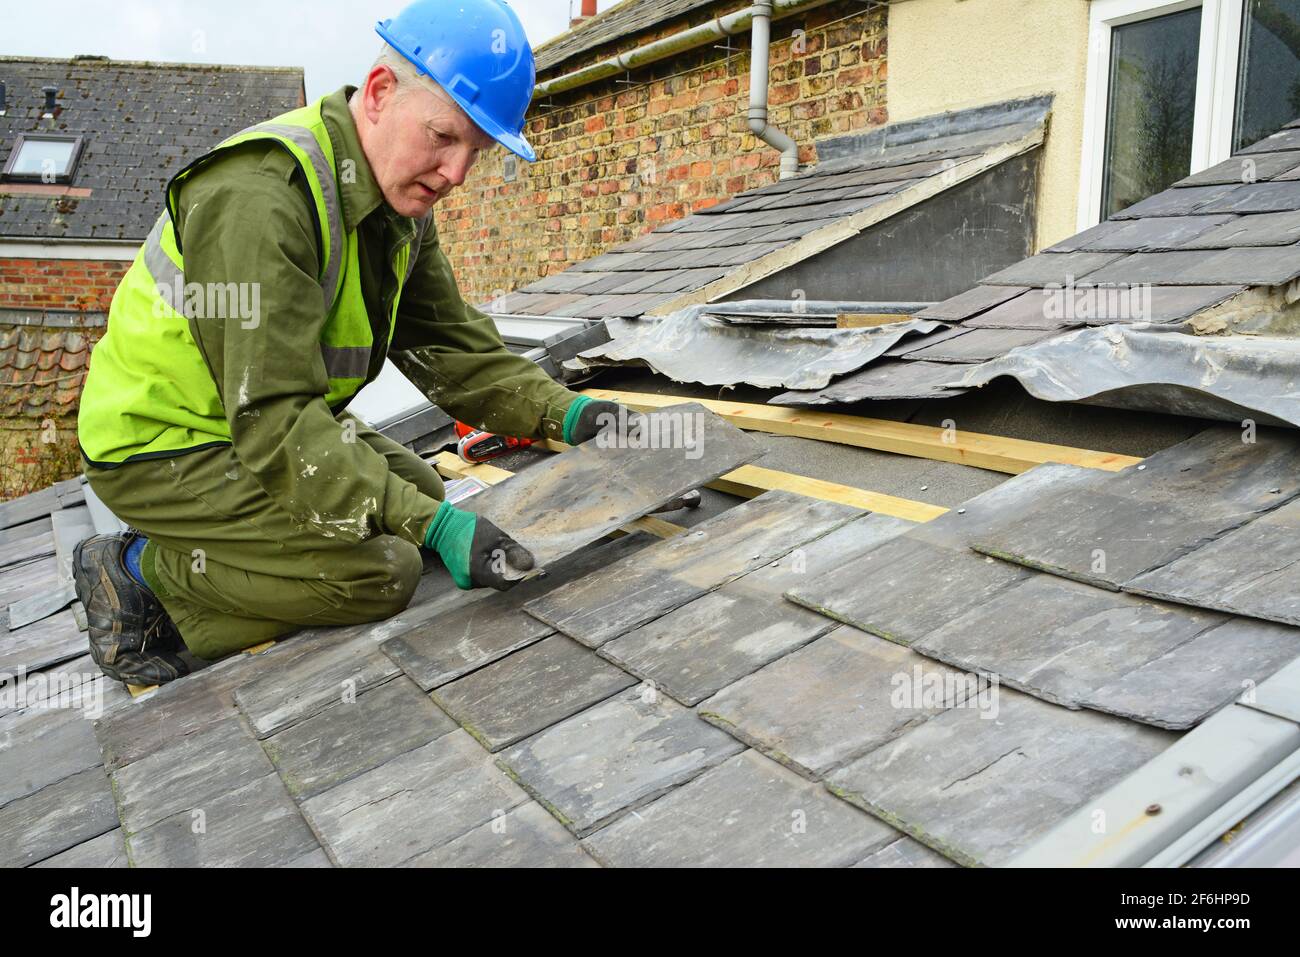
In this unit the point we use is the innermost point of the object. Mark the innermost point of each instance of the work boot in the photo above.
(131, 637)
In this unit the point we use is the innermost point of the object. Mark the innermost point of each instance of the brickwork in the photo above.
(615, 161)
(85, 285)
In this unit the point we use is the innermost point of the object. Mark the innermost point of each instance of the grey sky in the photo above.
(333, 40)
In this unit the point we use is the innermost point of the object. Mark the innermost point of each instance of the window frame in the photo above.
(77, 140)
(1216, 86)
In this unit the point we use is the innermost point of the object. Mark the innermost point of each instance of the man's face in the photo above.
(419, 143)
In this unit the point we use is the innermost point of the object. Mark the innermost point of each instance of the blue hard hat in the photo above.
(478, 52)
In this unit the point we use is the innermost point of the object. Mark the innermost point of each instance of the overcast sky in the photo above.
(333, 40)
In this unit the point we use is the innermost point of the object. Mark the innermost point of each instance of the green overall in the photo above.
(213, 417)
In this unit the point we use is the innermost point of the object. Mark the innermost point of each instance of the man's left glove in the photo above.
(588, 417)
(476, 552)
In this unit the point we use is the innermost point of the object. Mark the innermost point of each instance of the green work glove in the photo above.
(476, 552)
(588, 417)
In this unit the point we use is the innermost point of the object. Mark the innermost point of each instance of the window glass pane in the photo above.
(48, 157)
(1268, 90)
(1152, 105)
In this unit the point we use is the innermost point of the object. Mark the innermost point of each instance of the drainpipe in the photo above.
(703, 35)
(758, 84)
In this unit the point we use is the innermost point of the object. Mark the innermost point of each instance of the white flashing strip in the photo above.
(108, 250)
(1170, 809)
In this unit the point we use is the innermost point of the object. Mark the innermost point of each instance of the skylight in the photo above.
(43, 158)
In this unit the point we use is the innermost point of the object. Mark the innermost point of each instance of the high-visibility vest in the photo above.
(149, 392)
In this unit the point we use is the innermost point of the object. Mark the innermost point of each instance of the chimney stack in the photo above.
(588, 11)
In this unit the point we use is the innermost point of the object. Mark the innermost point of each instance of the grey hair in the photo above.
(408, 76)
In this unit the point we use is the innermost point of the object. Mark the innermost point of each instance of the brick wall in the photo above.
(615, 161)
(80, 284)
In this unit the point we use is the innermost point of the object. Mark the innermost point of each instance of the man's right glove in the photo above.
(476, 552)
(588, 417)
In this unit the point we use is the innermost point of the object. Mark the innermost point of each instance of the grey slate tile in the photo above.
(292, 692)
(707, 644)
(978, 345)
(144, 725)
(980, 789)
(970, 303)
(1041, 309)
(890, 379)
(1257, 198)
(1251, 571)
(576, 498)
(827, 703)
(746, 812)
(1248, 168)
(526, 836)
(103, 852)
(907, 587)
(417, 801)
(615, 757)
(20, 551)
(1123, 524)
(1264, 229)
(905, 852)
(1153, 234)
(1199, 677)
(353, 737)
(1051, 269)
(188, 773)
(56, 818)
(1283, 139)
(1060, 640)
(1176, 202)
(1155, 303)
(42, 748)
(41, 644)
(667, 574)
(256, 825)
(530, 690)
(469, 638)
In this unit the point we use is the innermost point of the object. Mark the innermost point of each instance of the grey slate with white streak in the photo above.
(615, 757)
(746, 812)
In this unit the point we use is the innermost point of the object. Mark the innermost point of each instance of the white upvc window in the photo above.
(1175, 86)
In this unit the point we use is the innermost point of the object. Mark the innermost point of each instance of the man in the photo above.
(257, 505)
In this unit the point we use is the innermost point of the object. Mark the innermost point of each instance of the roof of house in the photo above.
(1202, 268)
(668, 702)
(142, 123)
(861, 182)
(748, 673)
(42, 370)
(621, 20)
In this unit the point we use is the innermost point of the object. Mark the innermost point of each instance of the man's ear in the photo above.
(379, 92)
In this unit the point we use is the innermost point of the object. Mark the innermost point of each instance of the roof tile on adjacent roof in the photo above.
(628, 17)
(142, 122)
(42, 370)
(862, 181)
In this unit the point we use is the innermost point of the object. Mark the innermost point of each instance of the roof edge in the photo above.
(973, 120)
(153, 64)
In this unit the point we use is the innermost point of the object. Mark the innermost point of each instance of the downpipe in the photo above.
(760, 57)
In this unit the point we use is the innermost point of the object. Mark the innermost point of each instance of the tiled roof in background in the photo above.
(887, 171)
(142, 123)
(42, 370)
(628, 17)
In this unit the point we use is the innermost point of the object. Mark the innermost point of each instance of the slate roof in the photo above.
(142, 122)
(748, 677)
(624, 19)
(669, 702)
(1198, 245)
(42, 370)
(862, 181)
